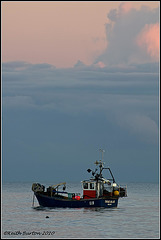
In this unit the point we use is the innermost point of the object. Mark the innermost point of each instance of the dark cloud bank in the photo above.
(55, 120)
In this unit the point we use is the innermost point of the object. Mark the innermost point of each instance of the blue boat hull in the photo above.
(47, 201)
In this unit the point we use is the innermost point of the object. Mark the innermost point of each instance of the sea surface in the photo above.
(137, 216)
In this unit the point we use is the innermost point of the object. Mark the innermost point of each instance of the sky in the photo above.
(77, 77)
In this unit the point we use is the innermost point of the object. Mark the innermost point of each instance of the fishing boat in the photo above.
(98, 191)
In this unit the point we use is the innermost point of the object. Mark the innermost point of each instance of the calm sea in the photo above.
(136, 216)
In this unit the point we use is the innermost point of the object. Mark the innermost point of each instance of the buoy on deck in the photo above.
(77, 197)
(116, 193)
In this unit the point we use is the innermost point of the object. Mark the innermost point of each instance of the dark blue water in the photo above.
(136, 216)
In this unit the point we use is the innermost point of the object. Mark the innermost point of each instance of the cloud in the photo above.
(134, 115)
(22, 66)
(100, 64)
(148, 40)
(18, 102)
(127, 31)
(79, 64)
(116, 14)
(123, 92)
(125, 7)
(143, 125)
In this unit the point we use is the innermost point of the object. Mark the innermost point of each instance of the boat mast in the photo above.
(101, 161)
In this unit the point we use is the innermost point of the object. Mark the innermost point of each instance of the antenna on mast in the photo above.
(101, 150)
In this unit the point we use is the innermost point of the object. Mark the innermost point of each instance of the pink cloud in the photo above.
(100, 64)
(125, 7)
(148, 40)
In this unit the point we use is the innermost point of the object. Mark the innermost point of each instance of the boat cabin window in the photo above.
(85, 185)
(91, 185)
